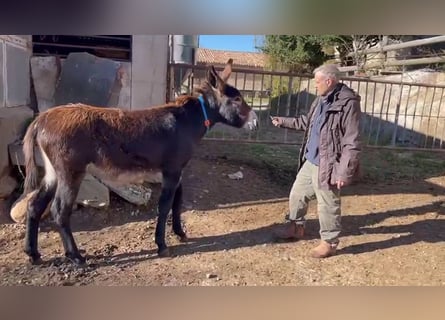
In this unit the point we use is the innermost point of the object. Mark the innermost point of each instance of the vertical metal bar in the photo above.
(297, 107)
(269, 99)
(415, 108)
(396, 117)
(389, 103)
(413, 139)
(192, 80)
(178, 90)
(387, 112)
(280, 79)
(437, 120)
(380, 117)
(172, 83)
(429, 118)
(372, 113)
(306, 104)
(260, 109)
(289, 95)
(363, 128)
(189, 82)
(442, 138)
(253, 99)
(421, 118)
(406, 114)
(288, 101)
(365, 109)
(396, 120)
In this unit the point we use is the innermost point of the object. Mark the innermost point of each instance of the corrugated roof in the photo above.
(240, 59)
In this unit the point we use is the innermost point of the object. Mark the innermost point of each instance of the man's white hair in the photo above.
(330, 71)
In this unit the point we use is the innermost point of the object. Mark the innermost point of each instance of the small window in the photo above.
(116, 47)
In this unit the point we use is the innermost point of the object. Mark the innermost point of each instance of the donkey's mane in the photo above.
(181, 101)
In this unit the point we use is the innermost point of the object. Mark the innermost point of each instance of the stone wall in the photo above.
(140, 83)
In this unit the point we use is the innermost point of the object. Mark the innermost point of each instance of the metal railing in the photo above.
(395, 113)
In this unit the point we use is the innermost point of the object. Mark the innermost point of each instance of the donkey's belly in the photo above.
(120, 177)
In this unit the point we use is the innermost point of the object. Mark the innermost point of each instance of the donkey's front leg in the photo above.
(170, 181)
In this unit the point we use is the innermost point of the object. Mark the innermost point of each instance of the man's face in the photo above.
(323, 84)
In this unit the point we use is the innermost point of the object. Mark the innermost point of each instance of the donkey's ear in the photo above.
(212, 76)
(227, 70)
(214, 79)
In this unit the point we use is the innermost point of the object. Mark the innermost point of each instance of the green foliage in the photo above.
(305, 53)
(294, 52)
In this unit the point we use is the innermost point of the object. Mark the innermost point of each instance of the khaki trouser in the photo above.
(306, 188)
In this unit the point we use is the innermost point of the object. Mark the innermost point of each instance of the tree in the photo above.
(350, 47)
(294, 52)
(304, 53)
(297, 53)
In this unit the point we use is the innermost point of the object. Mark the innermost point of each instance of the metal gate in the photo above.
(395, 113)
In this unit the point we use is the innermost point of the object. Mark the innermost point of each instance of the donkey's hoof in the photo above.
(77, 260)
(183, 238)
(35, 261)
(33, 257)
(164, 253)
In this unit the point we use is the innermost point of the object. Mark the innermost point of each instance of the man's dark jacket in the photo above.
(339, 147)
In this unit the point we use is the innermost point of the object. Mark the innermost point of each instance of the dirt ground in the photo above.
(394, 234)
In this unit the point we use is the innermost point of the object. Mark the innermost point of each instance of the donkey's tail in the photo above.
(31, 178)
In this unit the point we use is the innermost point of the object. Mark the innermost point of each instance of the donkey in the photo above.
(122, 143)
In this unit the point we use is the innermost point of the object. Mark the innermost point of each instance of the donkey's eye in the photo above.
(237, 99)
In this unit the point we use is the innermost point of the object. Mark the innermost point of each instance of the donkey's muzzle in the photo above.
(252, 121)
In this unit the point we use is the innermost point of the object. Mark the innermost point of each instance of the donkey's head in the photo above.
(232, 108)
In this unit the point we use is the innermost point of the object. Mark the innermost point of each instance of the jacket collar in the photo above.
(340, 96)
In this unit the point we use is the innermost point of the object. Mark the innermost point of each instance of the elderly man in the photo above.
(329, 158)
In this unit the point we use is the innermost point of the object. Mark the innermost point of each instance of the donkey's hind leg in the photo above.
(61, 209)
(170, 183)
(176, 214)
(36, 206)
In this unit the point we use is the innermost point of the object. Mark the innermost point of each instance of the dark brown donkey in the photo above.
(122, 143)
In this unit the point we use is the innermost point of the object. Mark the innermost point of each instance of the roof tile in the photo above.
(240, 59)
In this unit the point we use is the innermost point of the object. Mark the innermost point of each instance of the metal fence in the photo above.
(395, 113)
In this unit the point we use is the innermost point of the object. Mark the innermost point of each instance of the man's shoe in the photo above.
(290, 231)
(324, 250)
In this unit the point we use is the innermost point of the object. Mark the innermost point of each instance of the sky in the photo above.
(228, 42)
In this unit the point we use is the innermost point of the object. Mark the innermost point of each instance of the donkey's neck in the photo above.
(209, 107)
(202, 103)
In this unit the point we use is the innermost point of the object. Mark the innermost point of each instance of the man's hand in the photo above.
(340, 184)
(276, 121)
